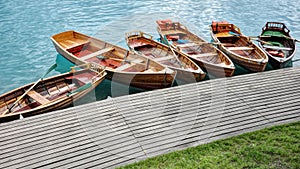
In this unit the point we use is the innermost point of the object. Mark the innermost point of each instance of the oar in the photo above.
(235, 34)
(259, 40)
(251, 37)
(296, 40)
(48, 71)
(296, 60)
(176, 57)
(287, 37)
(213, 43)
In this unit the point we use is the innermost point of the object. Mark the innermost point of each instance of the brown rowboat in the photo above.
(187, 70)
(50, 94)
(238, 47)
(122, 66)
(205, 54)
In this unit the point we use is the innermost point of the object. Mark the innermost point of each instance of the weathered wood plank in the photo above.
(122, 130)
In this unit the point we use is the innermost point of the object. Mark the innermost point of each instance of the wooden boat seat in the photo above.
(102, 51)
(277, 47)
(240, 48)
(224, 34)
(149, 71)
(123, 67)
(73, 44)
(127, 65)
(67, 43)
(37, 97)
(163, 58)
(170, 32)
(137, 61)
(203, 55)
(228, 44)
(187, 45)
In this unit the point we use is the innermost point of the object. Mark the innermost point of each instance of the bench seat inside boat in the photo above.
(127, 65)
(240, 48)
(224, 34)
(99, 52)
(204, 55)
(70, 44)
(187, 45)
(123, 67)
(37, 97)
(277, 47)
(163, 58)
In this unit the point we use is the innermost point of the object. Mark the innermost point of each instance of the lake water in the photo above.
(26, 27)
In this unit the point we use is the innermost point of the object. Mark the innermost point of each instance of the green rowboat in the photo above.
(277, 43)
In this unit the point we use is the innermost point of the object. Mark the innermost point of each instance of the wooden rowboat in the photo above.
(122, 66)
(50, 94)
(187, 70)
(238, 47)
(208, 57)
(276, 41)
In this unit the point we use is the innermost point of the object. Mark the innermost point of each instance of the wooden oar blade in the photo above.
(50, 69)
(233, 33)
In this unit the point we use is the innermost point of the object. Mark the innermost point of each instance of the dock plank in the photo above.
(122, 130)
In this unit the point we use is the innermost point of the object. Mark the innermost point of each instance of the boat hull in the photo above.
(144, 80)
(240, 49)
(188, 72)
(252, 65)
(277, 63)
(61, 102)
(276, 35)
(215, 62)
(215, 70)
(51, 107)
(147, 81)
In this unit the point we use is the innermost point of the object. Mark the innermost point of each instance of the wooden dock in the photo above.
(122, 130)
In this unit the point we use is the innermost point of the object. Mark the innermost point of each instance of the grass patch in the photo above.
(275, 147)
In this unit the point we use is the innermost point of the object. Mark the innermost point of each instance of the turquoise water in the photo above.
(26, 27)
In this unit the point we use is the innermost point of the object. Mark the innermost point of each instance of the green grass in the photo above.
(275, 147)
